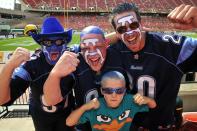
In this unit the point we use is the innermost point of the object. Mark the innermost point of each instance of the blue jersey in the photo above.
(157, 69)
(88, 81)
(33, 74)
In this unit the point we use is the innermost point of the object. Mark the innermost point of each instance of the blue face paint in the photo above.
(53, 53)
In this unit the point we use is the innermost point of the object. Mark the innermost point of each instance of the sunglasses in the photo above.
(108, 90)
(132, 26)
(57, 42)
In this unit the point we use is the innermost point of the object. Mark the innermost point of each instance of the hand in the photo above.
(139, 99)
(93, 104)
(66, 64)
(184, 17)
(19, 56)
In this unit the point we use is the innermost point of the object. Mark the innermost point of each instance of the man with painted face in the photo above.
(23, 71)
(156, 62)
(95, 59)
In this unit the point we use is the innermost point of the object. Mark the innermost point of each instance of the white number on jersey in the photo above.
(167, 38)
(142, 81)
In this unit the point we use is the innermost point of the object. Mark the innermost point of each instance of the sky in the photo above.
(8, 4)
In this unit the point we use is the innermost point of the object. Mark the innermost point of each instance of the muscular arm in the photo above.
(5, 77)
(52, 90)
(74, 117)
(19, 56)
(65, 65)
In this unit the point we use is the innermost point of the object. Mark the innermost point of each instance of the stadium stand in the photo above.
(80, 13)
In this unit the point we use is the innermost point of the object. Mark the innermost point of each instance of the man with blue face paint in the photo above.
(23, 71)
(95, 60)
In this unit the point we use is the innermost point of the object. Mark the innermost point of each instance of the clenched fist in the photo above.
(66, 64)
(19, 56)
(184, 17)
(93, 104)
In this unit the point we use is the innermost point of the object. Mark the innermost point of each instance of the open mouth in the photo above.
(94, 60)
(131, 38)
(54, 55)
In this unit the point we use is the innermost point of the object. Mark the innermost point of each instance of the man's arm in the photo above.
(65, 65)
(74, 117)
(184, 17)
(111, 38)
(19, 56)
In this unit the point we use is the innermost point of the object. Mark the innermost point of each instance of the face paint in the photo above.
(96, 51)
(53, 53)
(88, 41)
(125, 19)
(130, 33)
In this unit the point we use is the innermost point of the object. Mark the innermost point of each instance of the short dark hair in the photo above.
(124, 7)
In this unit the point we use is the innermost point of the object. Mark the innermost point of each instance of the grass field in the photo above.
(11, 44)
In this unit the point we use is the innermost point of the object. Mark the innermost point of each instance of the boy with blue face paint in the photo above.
(23, 71)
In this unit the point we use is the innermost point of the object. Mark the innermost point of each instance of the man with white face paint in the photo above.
(95, 59)
(156, 62)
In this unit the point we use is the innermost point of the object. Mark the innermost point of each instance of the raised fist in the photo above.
(184, 17)
(19, 56)
(66, 64)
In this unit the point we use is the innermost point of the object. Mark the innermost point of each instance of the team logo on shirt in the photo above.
(133, 67)
(110, 124)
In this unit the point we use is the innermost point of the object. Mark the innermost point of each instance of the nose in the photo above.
(114, 94)
(127, 24)
(53, 46)
(92, 47)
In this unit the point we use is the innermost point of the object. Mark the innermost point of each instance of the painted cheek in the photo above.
(86, 56)
(100, 54)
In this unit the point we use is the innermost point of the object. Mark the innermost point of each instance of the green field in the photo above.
(11, 44)
(27, 42)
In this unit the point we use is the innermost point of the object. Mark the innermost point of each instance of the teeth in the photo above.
(132, 39)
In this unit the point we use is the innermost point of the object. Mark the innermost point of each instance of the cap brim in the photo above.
(67, 34)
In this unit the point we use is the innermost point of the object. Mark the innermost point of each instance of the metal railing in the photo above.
(23, 100)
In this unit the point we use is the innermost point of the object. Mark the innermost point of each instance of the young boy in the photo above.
(115, 111)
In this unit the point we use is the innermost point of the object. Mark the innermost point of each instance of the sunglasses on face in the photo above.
(108, 90)
(48, 43)
(132, 26)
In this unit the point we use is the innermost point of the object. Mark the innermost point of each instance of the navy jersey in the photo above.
(33, 74)
(157, 69)
(88, 81)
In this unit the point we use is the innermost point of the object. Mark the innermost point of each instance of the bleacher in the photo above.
(105, 5)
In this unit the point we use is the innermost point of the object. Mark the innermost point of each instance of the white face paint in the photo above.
(88, 41)
(125, 19)
(97, 52)
(130, 33)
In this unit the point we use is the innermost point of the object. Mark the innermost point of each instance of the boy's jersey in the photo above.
(88, 81)
(157, 69)
(33, 74)
(113, 119)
